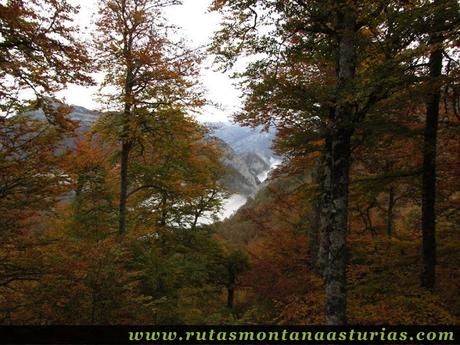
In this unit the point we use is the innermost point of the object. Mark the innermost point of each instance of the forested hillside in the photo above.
(345, 153)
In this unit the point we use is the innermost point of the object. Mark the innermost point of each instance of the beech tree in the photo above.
(442, 23)
(236, 262)
(320, 67)
(175, 170)
(39, 54)
(31, 181)
(145, 71)
(94, 206)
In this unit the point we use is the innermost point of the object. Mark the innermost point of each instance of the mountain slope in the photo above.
(240, 178)
(246, 152)
(245, 140)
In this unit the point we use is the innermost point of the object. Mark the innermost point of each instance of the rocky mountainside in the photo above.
(241, 178)
(247, 152)
(256, 164)
(245, 140)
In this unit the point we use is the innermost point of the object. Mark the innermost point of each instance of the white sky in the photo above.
(197, 26)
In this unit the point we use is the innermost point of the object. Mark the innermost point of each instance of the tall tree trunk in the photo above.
(124, 184)
(429, 168)
(231, 291)
(314, 230)
(125, 145)
(391, 205)
(335, 227)
(338, 155)
(164, 211)
(195, 221)
(323, 250)
(125, 135)
(125, 149)
(313, 233)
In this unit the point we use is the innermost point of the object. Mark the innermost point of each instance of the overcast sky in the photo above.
(197, 26)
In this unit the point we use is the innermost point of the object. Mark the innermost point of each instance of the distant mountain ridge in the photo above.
(244, 140)
(84, 116)
(240, 178)
(253, 156)
(247, 152)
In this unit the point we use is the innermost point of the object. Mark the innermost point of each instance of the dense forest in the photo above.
(113, 217)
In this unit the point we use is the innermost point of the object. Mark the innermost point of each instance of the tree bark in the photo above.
(323, 250)
(231, 290)
(125, 135)
(338, 153)
(314, 229)
(125, 149)
(313, 233)
(124, 184)
(428, 273)
(164, 211)
(195, 221)
(335, 227)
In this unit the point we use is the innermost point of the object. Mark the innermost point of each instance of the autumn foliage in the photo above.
(118, 223)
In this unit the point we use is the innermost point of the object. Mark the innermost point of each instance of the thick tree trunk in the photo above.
(338, 155)
(336, 226)
(429, 172)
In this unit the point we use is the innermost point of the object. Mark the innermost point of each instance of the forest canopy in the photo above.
(115, 216)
